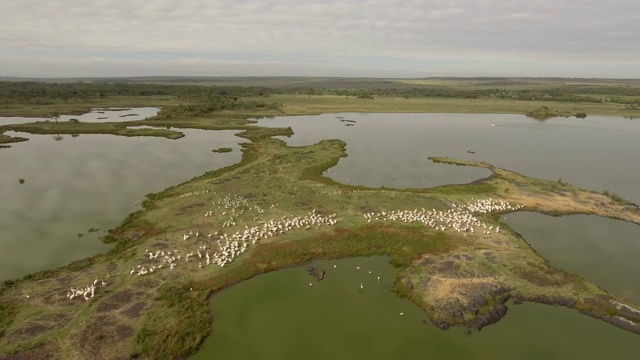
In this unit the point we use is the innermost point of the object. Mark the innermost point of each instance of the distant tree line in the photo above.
(213, 104)
(207, 98)
(45, 93)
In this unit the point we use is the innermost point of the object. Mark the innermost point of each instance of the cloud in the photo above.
(386, 36)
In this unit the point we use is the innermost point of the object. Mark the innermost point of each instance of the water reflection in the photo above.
(91, 181)
(599, 152)
(605, 251)
(278, 316)
(95, 115)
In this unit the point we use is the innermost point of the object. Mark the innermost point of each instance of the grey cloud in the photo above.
(321, 31)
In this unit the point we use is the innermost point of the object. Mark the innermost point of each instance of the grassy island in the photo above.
(222, 150)
(148, 297)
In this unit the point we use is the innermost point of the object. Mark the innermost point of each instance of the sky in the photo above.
(352, 38)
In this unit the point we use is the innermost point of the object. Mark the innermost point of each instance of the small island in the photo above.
(222, 150)
(544, 113)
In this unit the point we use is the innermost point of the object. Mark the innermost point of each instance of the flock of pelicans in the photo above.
(85, 293)
(459, 218)
(222, 249)
(231, 246)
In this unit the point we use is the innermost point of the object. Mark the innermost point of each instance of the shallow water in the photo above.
(279, 316)
(605, 251)
(89, 181)
(95, 115)
(597, 153)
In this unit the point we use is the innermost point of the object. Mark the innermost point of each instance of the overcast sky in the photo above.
(393, 38)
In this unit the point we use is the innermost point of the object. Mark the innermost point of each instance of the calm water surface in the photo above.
(88, 181)
(279, 316)
(95, 115)
(597, 153)
(605, 251)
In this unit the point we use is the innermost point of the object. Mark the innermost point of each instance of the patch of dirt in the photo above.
(426, 262)
(135, 310)
(446, 268)
(492, 316)
(123, 332)
(98, 331)
(57, 317)
(548, 300)
(30, 331)
(65, 280)
(538, 276)
(44, 351)
(489, 255)
(184, 210)
(114, 301)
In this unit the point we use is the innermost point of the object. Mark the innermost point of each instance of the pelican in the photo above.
(335, 266)
(361, 286)
(358, 267)
(378, 278)
(401, 313)
(310, 284)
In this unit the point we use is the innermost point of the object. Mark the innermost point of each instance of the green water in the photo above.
(88, 181)
(279, 316)
(597, 153)
(605, 251)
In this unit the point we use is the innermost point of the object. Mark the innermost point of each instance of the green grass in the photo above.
(6, 139)
(114, 128)
(615, 197)
(222, 150)
(318, 104)
(82, 106)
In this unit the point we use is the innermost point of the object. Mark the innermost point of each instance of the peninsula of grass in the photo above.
(6, 139)
(113, 128)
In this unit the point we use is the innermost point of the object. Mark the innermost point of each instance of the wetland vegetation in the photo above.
(150, 306)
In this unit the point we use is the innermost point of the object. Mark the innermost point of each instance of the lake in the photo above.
(279, 316)
(596, 153)
(605, 251)
(89, 182)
